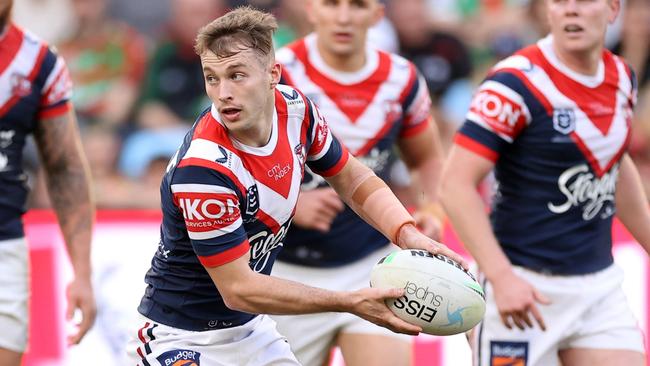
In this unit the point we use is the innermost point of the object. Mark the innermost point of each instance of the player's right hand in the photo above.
(517, 302)
(370, 304)
(316, 209)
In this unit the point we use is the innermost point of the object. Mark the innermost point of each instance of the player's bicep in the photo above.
(416, 149)
(464, 166)
(230, 277)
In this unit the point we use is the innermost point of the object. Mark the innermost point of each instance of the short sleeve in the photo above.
(57, 90)
(416, 104)
(209, 202)
(326, 155)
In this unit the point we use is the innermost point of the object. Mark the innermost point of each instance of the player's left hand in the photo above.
(411, 238)
(80, 296)
(428, 224)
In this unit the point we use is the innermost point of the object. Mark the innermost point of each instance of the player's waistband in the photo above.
(176, 319)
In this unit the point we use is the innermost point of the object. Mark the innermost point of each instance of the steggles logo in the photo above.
(581, 187)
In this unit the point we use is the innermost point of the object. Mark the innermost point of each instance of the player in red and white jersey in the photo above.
(228, 197)
(553, 121)
(374, 101)
(34, 100)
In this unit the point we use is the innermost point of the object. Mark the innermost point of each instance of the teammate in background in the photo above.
(34, 99)
(228, 198)
(554, 122)
(373, 101)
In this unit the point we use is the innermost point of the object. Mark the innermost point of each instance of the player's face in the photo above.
(580, 25)
(342, 25)
(241, 87)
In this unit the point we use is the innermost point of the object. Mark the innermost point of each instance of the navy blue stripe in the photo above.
(513, 82)
(150, 333)
(147, 349)
(145, 363)
(412, 93)
(310, 130)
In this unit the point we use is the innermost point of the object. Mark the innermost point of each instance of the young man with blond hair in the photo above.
(228, 198)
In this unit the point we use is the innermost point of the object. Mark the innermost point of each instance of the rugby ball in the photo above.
(439, 295)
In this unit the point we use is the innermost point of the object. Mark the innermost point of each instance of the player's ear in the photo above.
(379, 12)
(615, 9)
(276, 73)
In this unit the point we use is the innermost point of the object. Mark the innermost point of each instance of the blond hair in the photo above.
(238, 30)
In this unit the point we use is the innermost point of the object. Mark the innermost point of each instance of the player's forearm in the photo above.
(632, 203)
(68, 184)
(371, 199)
(271, 295)
(466, 211)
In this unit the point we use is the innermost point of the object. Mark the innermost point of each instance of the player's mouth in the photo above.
(231, 114)
(573, 29)
(343, 37)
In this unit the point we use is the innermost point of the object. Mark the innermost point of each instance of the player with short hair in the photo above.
(228, 197)
(34, 99)
(374, 101)
(553, 120)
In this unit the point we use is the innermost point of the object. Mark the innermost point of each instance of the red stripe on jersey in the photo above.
(10, 45)
(215, 166)
(409, 131)
(345, 156)
(226, 256)
(32, 75)
(592, 159)
(372, 142)
(351, 99)
(597, 103)
(476, 147)
(56, 111)
(268, 220)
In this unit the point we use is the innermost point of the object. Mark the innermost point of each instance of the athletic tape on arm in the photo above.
(371, 198)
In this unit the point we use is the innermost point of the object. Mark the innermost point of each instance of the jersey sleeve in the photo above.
(57, 89)
(497, 115)
(326, 156)
(209, 202)
(416, 104)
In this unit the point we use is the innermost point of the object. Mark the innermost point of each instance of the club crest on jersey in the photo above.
(299, 150)
(252, 203)
(564, 120)
(180, 357)
(20, 85)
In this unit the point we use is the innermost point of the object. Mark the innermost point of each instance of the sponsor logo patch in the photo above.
(180, 357)
(508, 353)
(503, 115)
(208, 211)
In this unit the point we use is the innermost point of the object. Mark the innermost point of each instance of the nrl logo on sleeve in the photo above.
(180, 357)
(564, 120)
(252, 203)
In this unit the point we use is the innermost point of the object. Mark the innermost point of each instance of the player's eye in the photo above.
(210, 79)
(237, 76)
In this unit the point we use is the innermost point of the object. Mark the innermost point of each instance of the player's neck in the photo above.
(345, 63)
(585, 63)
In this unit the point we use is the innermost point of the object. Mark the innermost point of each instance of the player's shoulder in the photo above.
(397, 61)
(290, 100)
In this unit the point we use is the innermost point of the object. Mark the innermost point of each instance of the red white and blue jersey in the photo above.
(557, 138)
(222, 200)
(368, 110)
(34, 85)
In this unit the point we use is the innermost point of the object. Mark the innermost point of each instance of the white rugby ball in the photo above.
(439, 295)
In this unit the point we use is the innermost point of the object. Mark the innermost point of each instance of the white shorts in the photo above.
(254, 343)
(312, 335)
(14, 294)
(586, 311)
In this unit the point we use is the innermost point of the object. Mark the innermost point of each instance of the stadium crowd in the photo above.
(138, 83)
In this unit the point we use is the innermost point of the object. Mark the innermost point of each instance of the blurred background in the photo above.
(138, 87)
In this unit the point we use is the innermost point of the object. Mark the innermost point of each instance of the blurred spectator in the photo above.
(292, 22)
(107, 61)
(173, 92)
(145, 15)
(52, 20)
(442, 58)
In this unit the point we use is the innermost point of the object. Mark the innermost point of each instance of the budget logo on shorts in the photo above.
(180, 357)
(564, 120)
(508, 353)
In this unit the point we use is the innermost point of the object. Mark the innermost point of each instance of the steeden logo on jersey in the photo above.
(583, 188)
